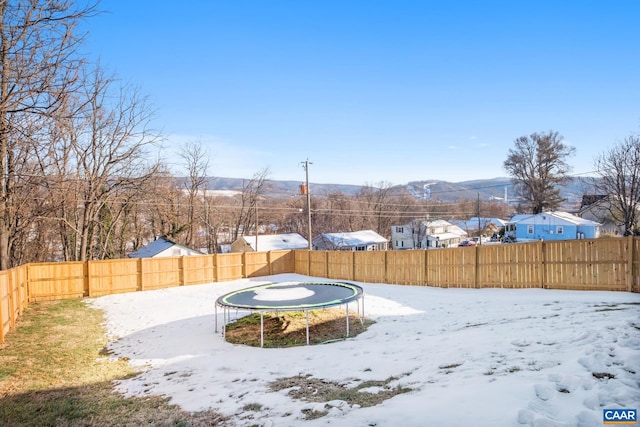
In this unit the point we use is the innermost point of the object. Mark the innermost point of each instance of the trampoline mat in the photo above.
(292, 296)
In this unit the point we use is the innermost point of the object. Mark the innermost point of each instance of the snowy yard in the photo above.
(472, 357)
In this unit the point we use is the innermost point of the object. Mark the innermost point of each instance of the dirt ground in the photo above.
(288, 329)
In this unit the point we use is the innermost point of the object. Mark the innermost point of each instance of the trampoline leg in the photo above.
(225, 313)
(307, 312)
(261, 329)
(215, 317)
(347, 304)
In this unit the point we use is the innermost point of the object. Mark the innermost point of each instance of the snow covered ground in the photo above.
(472, 357)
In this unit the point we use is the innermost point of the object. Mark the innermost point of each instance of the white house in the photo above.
(269, 242)
(163, 247)
(364, 240)
(550, 226)
(426, 234)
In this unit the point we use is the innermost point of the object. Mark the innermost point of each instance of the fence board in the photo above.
(369, 266)
(229, 267)
(340, 265)
(586, 264)
(20, 284)
(5, 305)
(56, 280)
(318, 263)
(256, 264)
(301, 262)
(406, 267)
(198, 269)
(112, 276)
(632, 253)
(282, 262)
(160, 273)
(451, 267)
(15, 294)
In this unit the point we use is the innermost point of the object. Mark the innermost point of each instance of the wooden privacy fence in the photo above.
(13, 298)
(65, 280)
(608, 264)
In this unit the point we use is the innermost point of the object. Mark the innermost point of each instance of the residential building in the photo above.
(364, 240)
(163, 247)
(426, 234)
(550, 226)
(269, 242)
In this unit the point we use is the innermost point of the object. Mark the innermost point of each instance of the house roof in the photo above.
(472, 223)
(352, 238)
(434, 222)
(153, 248)
(274, 242)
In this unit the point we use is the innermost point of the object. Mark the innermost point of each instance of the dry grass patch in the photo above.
(318, 390)
(288, 329)
(54, 371)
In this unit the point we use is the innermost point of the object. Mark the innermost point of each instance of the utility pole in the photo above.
(305, 165)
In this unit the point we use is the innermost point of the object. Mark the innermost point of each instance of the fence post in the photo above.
(476, 266)
(140, 280)
(426, 267)
(244, 265)
(630, 255)
(386, 267)
(12, 309)
(542, 268)
(216, 270)
(326, 264)
(29, 282)
(87, 279)
(20, 297)
(1, 323)
(181, 271)
(269, 263)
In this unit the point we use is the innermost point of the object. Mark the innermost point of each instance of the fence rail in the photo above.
(608, 264)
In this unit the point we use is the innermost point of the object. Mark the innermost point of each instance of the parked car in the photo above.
(467, 243)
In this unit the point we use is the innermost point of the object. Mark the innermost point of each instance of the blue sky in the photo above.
(376, 91)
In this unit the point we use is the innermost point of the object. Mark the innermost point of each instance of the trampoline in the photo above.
(291, 296)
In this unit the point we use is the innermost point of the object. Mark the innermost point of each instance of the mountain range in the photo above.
(429, 189)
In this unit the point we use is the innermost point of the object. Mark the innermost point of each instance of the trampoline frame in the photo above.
(227, 307)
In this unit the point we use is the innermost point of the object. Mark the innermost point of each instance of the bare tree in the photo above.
(619, 170)
(29, 199)
(538, 165)
(166, 202)
(378, 207)
(196, 162)
(217, 220)
(332, 213)
(38, 42)
(246, 213)
(105, 141)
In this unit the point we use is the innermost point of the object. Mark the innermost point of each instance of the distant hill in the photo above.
(492, 189)
(279, 188)
(436, 190)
